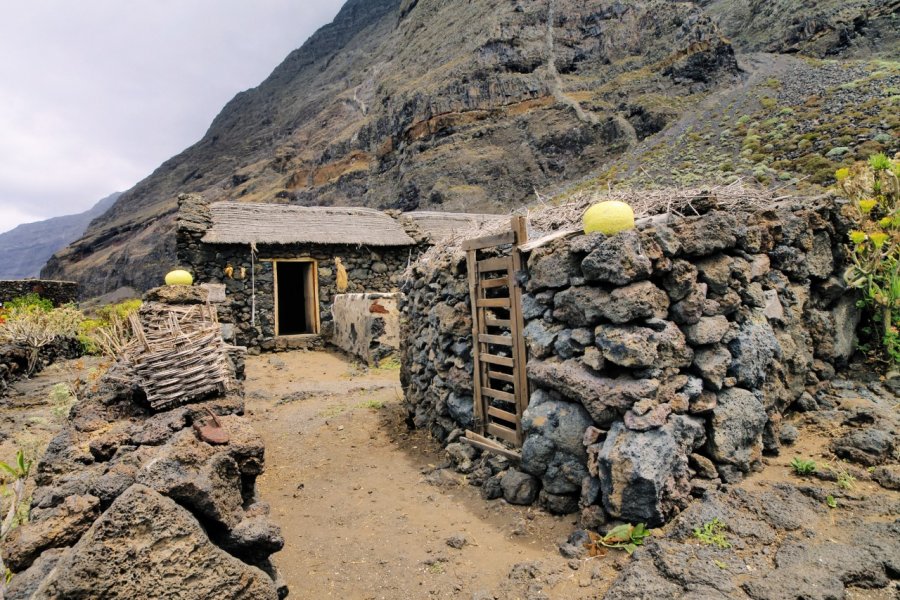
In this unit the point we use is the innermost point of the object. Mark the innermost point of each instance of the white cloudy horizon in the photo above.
(95, 94)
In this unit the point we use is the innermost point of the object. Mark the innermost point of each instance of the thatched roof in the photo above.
(245, 223)
(437, 226)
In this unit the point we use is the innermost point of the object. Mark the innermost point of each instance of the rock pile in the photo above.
(661, 360)
(14, 359)
(134, 503)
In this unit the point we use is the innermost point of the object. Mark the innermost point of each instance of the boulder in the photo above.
(752, 351)
(147, 546)
(580, 306)
(627, 345)
(735, 429)
(715, 272)
(519, 488)
(551, 267)
(617, 260)
(461, 409)
(680, 280)
(702, 236)
(689, 310)
(58, 527)
(712, 365)
(199, 476)
(708, 330)
(597, 393)
(540, 337)
(644, 475)
(641, 300)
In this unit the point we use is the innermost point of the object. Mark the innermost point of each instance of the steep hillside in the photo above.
(26, 248)
(439, 104)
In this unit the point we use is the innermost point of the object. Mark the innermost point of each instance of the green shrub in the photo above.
(107, 331)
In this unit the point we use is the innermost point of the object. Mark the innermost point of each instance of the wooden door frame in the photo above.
(315, 277)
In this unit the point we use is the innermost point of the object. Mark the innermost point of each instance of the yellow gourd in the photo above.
(179, 277)
(608, 217)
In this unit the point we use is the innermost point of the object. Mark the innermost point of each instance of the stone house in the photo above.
(279, 264)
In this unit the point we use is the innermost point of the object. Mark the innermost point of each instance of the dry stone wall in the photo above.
(661, 360)
(58, 292)
(367, 326)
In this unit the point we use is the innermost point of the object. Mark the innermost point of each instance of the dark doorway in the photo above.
(297, 298)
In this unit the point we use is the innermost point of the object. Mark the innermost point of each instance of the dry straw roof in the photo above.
(437, 226)
(245, 223)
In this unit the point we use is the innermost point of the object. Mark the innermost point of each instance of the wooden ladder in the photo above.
(498, 346)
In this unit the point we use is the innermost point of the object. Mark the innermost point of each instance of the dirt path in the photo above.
(363, 511)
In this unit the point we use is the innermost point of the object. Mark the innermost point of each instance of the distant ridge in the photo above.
(26, 248)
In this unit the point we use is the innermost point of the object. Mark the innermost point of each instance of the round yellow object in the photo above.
(609, 217)
(179, 277)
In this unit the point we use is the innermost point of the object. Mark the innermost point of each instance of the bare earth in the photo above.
(367, 511)
(347, 483)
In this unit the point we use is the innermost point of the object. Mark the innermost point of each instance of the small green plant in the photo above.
(372, 404)
(624, 537)
(13, 477)
(62, 399)
(713, 534)
(830, 501)
(845, 480)
(803, 466)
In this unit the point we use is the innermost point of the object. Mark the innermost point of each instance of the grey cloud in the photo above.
(95, 94)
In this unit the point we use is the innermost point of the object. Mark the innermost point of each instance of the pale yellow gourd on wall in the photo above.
(179, 277)
(608, 217)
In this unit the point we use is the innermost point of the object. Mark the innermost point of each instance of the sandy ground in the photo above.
(349, 485)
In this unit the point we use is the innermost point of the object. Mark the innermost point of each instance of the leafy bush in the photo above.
(29, 301)
(874, 190)
(803, 466)
(34, 326)
(107, 331)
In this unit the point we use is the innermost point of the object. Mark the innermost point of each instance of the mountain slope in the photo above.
(26, 248)
(439, 104)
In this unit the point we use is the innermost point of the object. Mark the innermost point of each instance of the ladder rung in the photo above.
(490, 445)
(496, 360)
(502, 414)
(494, 264)
(498, 322)
(500, 340)
(504, 433)
(505, 396)
(494, 283)
(508, 377)
(492, 303)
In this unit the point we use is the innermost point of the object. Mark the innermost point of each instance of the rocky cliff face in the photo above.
(26, 248)
(449, 105)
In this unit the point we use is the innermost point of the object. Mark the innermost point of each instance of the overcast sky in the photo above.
(95, 94)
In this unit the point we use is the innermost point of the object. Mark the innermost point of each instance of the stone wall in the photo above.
(14, 359)
(127, 499)
(661, 360)
(368, 270)
(367, 325)
(58, 292)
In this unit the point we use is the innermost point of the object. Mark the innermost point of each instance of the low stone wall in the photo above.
(367, 325)
(661, 360)
(14, 360)
(58, 292)
(127, 499)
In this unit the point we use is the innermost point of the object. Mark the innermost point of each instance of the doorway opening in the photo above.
(296, 297)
